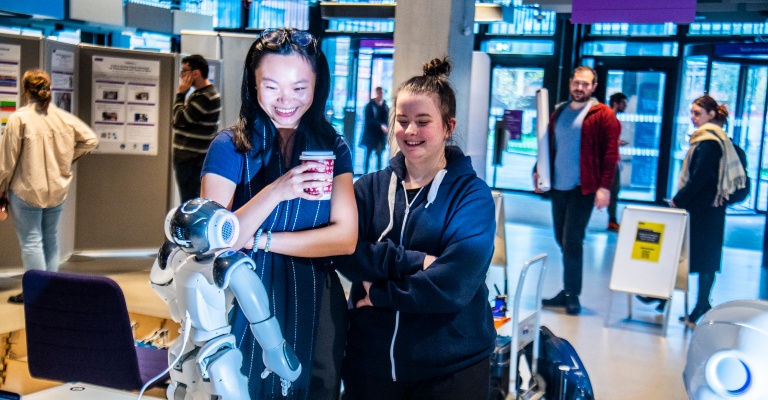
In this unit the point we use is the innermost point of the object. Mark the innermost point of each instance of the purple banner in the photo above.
(377, 43)
(633, 11)
(513, 124)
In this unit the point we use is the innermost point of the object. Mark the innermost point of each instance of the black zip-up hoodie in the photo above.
(424, 323)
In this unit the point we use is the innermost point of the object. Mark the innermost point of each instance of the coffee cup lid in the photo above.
(314, 155)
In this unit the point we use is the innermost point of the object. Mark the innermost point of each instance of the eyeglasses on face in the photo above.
(300, 38)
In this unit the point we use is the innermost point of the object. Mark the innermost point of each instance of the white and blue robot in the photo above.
(198, 286)
(728, 353)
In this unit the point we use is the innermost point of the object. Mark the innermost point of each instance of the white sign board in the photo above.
(125, 102)
(648, 251)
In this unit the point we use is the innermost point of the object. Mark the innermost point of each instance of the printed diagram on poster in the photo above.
(62, 78)
(10, 59)
(647, 245)
(125, 101)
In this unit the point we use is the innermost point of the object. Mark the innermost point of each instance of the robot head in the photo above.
(727, 356)
(201, 227)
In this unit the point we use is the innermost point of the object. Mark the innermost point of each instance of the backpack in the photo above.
(740, 194)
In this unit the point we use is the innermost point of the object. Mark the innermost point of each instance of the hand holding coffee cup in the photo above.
(327, 159)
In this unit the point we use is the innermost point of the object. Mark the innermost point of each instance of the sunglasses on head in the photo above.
(279, 36)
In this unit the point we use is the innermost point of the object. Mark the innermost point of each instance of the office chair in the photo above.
(78, 330)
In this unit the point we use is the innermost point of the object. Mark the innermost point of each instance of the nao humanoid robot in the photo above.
(198, 286)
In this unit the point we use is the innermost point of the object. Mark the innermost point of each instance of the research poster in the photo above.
(647, 246)
(62, 78)
(10, 80)
(125, 101)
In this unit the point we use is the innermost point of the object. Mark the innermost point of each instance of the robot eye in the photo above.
(227, 229)
(181, 234)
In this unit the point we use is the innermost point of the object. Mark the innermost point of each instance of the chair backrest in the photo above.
(78, 330)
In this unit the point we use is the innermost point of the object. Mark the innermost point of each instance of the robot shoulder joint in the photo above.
(226, 263)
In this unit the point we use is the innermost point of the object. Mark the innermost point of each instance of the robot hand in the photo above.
(282, 361)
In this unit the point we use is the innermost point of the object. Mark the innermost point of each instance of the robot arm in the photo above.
(198, 230)
(235, 270)
(169, 258)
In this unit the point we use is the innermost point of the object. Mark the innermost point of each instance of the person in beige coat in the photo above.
(38, 147)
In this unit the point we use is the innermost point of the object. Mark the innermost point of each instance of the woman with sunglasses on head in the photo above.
(254, 169)
(711, 171)
(421, 327)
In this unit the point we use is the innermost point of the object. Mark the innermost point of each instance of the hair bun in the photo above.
(437, 67)
(722, 110)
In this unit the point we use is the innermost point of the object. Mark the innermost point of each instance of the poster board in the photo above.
(10, 81)
(28, 56)
(648, 251)
(60, 60)
(139, 183)
(125, 104)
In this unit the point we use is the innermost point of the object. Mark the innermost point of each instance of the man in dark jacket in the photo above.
(584, 137)
(375, 128)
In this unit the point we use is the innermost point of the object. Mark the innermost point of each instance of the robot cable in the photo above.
(187, 328)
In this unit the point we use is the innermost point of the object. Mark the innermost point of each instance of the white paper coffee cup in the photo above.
(327, 158)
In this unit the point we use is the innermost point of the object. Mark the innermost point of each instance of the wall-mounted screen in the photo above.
(48, 8)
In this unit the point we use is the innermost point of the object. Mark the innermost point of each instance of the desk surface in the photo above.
(83, 391)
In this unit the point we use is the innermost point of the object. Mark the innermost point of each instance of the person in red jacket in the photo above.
(584, 137)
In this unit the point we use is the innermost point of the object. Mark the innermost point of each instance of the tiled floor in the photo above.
(626, 360)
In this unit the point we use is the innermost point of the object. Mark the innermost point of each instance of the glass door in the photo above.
(514, 88)
(640, 128)
(694, 85)
(749, 131)
(647, 123)
(372, 71)
(722, 87)
(741, 87)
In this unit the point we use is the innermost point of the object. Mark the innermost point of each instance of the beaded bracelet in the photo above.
(256, 240)
(269, 241)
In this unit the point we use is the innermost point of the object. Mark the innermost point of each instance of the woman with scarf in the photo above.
(711, 171)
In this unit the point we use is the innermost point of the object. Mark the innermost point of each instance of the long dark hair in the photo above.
(313, 128)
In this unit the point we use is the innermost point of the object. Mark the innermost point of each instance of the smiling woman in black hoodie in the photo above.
(420, 322)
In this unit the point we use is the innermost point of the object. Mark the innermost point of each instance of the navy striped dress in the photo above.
(294, 284)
